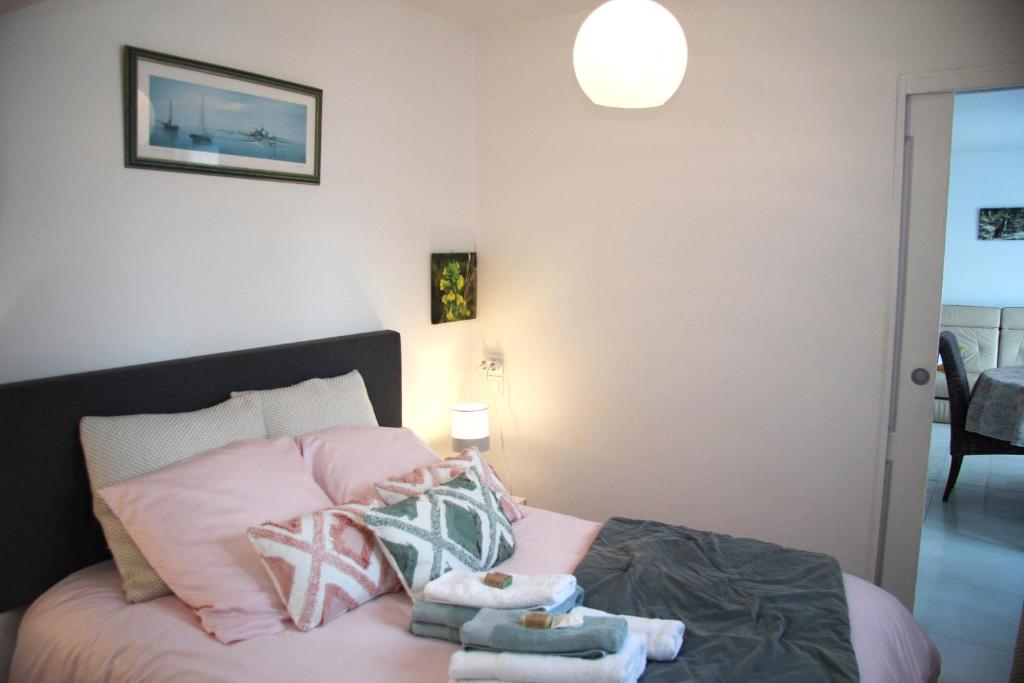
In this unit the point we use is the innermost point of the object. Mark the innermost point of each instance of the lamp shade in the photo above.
(630, 54)
(470, 427)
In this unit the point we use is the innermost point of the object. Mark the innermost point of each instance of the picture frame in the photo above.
(190, 116)
(453, 285)
(1001, 224)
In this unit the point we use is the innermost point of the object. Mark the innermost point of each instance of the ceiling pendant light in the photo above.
(630, 54)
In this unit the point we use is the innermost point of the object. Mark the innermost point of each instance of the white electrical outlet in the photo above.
(495, 366)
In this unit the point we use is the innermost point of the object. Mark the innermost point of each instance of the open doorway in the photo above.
(925, 109)
(970, 580)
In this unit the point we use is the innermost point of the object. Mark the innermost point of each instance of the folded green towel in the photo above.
(454, 616)
(425, 630)
(499, 630)
(438, 613)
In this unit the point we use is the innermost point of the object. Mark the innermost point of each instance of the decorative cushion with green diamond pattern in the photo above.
(458, 525)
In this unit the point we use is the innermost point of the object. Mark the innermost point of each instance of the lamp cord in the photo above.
(501, 432)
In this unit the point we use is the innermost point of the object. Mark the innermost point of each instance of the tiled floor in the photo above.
(970, 580)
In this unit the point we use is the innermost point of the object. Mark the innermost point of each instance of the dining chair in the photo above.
(961, 441)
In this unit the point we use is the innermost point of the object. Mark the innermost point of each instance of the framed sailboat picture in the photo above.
(184, 115)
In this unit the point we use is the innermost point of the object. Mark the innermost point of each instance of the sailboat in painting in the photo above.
(169, 124)
(203, 137)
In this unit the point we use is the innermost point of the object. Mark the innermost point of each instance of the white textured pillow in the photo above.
(127, 446)
(315, 405)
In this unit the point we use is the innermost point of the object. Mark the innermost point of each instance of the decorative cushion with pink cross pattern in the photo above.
(325, 563)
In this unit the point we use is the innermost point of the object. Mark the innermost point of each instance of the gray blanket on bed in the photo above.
(753, 611)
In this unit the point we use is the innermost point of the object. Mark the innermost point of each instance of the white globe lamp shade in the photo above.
(630, 54)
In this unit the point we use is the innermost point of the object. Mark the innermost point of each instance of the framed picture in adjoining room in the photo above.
(1001, 224)
(184, 115)
(452, 287)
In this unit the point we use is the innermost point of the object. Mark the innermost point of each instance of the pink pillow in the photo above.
(348, 461)
(325, 563)
(190, 522)
(410, 484)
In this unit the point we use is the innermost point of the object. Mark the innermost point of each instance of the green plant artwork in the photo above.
(1001, 224)
(452, 287)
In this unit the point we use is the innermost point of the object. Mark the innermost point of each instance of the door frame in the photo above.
(953, 81)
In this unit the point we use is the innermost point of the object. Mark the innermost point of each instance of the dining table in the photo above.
(996, 408)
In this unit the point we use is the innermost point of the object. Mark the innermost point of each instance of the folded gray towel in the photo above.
(499, 630)
(437, 631)
(454, 616)
(438, 613)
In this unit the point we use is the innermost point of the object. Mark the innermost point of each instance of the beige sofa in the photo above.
(988, 338)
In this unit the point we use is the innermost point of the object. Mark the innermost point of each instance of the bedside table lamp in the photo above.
(470, 427)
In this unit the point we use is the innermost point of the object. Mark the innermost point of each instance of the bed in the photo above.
(79, 627)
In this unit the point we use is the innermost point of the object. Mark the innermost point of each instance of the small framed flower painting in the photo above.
(452, 287)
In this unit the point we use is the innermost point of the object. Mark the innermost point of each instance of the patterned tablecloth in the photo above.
(997, 405)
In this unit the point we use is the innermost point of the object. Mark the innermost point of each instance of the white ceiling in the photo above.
(475, 13)
(480, 13)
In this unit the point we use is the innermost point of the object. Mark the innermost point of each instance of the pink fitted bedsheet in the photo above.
(82, 630)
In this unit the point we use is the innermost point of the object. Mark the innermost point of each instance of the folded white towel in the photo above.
(526, 592)
(623, 667)
(664, 636)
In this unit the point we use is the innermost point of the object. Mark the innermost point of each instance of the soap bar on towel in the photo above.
(500, 630)
(626, 666)
(526, 592)
(498, 579)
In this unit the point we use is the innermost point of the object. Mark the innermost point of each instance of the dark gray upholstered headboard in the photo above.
(47, 528)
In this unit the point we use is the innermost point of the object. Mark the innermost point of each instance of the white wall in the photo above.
(693, 301)
(983, 272)
(986, 171)
(104, 266)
